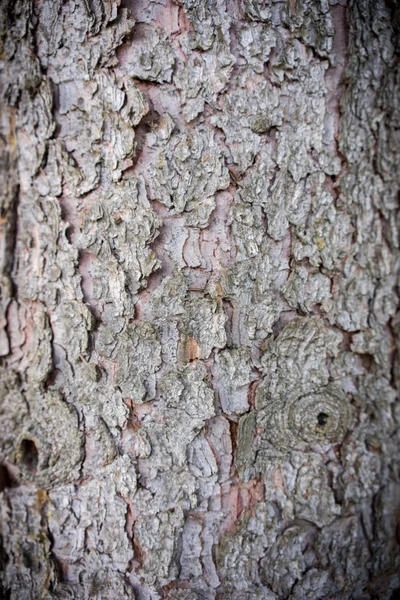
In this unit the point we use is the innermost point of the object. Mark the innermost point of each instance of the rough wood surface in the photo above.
(199, 269)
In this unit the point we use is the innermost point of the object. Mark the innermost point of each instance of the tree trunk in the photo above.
(198, 312)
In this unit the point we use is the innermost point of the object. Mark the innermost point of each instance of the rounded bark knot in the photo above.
(316, 420)
(49, 449)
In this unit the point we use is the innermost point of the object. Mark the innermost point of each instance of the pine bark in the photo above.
(199, 311)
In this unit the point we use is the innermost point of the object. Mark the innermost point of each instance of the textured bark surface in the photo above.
(199, 263)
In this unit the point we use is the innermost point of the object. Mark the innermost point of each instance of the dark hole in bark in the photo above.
(395, 595)
(29, 557)
(322, 419)
(5, 479)
(29, 455)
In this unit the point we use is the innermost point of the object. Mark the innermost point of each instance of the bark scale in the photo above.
(199, 264)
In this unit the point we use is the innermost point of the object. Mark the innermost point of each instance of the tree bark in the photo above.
(199, 264)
